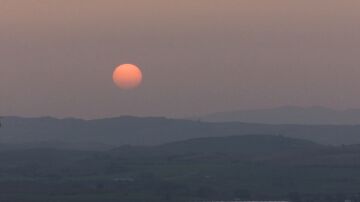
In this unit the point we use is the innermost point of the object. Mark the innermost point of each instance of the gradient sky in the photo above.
(198, 57)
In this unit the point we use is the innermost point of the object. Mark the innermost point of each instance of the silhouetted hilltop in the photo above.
(289, 115)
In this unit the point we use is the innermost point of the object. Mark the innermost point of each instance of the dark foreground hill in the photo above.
(104, 134)
(255, 167)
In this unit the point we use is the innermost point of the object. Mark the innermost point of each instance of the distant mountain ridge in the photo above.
(103, 134)
(289, 115)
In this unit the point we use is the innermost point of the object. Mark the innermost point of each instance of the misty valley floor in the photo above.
(259, 167)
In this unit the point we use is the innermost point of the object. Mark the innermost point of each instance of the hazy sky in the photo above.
(57, 56)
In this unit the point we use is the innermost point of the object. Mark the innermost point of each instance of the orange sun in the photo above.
(127, 76)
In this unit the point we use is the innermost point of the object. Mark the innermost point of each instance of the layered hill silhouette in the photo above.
(104, 134)
(289, 115)
(269, 149)
(240, 145)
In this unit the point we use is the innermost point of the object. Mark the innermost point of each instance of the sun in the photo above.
(127, 76)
